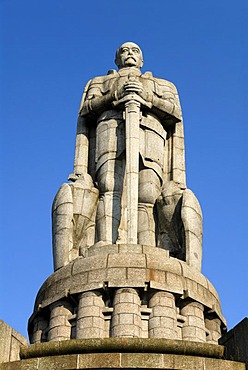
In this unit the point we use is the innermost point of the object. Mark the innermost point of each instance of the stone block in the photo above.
(175, 283)
(130, 248)
(156, 251)
(214, 364)
(125, 308)
(192, 288)
(87, 298)
(126, 260)
(116, 273)
(154, 322)
(10, 343)
(168, 322)
(90, 311)
(5, 341)
(184, 363)
(97, 275)
(166, 300)
(30, 364)
(58, 362)
(104, 249)
(91, 333)
(126, 319)
(154, 261)
(90, 263)
(125, 297)
(99, 360)
(98, 322)
(195, 321)
(142, 360)
(155, 275)
(136, 274)
(63, 285)
(84, 322)
(57, 321)
(164, 311)
(78, 280)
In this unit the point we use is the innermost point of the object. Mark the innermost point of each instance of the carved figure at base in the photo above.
(130, 143)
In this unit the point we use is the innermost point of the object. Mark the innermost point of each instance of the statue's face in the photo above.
(129, 55)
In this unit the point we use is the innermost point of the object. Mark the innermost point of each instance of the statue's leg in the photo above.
(110, 182)
(149, 190)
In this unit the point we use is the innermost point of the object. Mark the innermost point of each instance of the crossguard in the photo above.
(132, 97)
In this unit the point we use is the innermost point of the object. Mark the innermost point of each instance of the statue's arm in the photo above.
(165, 99)
(82, 142)
(82, 147)
(97, 98)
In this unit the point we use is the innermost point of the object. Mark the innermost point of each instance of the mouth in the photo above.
(130, 59)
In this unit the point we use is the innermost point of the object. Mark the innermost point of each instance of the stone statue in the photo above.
(128, 185)
(127, 233)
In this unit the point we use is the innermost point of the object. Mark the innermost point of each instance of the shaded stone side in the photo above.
(10, 343)
(236, 342)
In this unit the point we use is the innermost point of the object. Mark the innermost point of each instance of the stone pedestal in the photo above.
(127, 290)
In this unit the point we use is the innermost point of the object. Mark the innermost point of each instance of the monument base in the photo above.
(124, 353)
(127, 291)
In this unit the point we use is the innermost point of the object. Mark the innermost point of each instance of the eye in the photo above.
(136, 51)
(124, 50)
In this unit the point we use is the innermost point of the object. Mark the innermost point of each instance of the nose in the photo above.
(130, 51)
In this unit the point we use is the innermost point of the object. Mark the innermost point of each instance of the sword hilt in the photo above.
(131, 97)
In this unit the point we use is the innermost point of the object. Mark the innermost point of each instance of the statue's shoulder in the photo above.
(160, 82)
(165, 83)
(99, 80)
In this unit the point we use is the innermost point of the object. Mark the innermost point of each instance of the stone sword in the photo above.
(132, 115)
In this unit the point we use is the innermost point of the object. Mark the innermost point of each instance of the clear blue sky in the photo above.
(49, 50)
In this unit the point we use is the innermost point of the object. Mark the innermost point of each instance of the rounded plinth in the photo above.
(148, 271)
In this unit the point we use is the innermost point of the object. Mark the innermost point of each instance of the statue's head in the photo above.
(129, 54)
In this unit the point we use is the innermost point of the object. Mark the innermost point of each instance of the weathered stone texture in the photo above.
(124, 361)
(10, 343)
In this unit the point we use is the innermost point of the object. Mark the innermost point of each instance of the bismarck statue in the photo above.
(127, 233)
(129, 183)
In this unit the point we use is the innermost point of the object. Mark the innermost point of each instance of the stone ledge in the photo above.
(110, 345)
(122, 360)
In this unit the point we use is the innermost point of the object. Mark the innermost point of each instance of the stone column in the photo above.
(126, 319)
(213, 326)
(40, 326)
(90, 319)
(59, 326)
(194, 327)
(163, 319)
